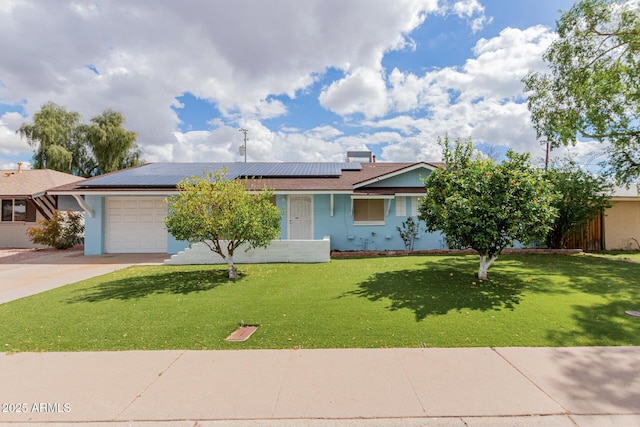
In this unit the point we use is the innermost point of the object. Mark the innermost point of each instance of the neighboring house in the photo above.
(25, 201)
(617, 229)
(622, 220)
(357, 205)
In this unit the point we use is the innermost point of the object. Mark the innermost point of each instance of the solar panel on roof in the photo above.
(169, 174)
(352, 166)
(291, 169)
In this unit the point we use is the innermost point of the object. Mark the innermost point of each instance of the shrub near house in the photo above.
(63, 231)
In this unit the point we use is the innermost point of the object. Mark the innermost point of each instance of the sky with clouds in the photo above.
(309, 79)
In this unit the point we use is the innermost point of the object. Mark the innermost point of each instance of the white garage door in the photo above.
(135, 225)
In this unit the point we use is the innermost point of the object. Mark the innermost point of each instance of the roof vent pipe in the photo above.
(19, 167)
(373, 158)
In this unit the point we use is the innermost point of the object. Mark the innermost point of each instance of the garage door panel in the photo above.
(130, 204)
(130, 218)
(135, 224)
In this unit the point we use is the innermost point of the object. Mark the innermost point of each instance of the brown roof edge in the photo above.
(393, 168)
(345, 182)
(389, 191)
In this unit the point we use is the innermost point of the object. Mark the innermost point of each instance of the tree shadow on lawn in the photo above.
(590, 274)
(438, 287)
(601, 325)
(172, 282)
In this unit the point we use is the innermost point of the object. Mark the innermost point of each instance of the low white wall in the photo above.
(298, 251)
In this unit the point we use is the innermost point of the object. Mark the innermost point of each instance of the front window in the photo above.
(415, 203)
(401, 206)
(14, 210)
(368, 211)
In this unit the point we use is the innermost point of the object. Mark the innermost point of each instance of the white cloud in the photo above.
(363, 91)
(467, 8)
(482, 99)
(6, 6)
(137, 59)
(10, 143)
(84, 8)
(474, 12)
(129, 56)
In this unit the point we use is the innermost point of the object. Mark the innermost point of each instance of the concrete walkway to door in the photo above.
(28, 277)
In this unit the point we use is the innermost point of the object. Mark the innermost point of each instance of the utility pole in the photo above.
(244, 147)
(546, 157)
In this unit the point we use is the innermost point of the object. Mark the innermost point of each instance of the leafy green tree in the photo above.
(113, 146)
(480, 204)
(53, 134)
(63, 143)
(223, 214)
(593, 88)
(581, 196)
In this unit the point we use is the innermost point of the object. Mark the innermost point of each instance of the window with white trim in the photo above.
(14, 210)
(401, 206)
(368, 211)
(414, 205)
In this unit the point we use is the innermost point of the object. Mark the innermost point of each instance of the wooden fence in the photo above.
(590, 237)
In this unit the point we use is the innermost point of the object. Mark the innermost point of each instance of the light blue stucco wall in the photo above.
(68, 202)
(345, 235)
(94, 226)
(174, 246)
(412, 178)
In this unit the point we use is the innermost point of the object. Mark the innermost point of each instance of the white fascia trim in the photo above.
(410, 194)
(114, 193)
(357, 223)
(373, 196)
(172, 192)
(305, 192)
(396, 173)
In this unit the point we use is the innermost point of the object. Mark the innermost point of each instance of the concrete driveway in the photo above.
(31, 276)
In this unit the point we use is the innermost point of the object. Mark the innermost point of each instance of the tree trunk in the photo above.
(484, 266)
(233, 272)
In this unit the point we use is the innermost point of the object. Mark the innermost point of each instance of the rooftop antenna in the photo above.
(243, 149)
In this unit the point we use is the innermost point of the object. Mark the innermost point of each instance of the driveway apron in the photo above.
(29, 277)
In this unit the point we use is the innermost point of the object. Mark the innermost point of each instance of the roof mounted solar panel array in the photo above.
(169, 174)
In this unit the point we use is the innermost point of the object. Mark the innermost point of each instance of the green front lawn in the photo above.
(621, 255)
(416, 301)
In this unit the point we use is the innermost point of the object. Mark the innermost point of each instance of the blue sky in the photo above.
(309, 80)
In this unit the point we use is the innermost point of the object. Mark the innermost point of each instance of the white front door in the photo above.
(300, 218)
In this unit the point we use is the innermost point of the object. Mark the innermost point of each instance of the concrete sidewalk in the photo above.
(586, 386)
(29, 277)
